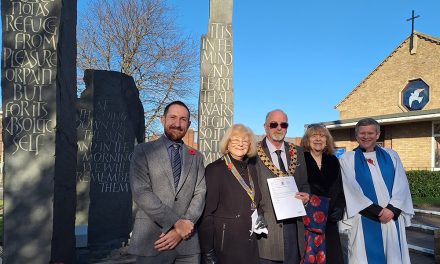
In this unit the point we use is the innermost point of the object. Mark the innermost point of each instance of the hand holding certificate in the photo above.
(282, 191)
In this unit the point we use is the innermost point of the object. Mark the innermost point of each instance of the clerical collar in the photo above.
(364, 150)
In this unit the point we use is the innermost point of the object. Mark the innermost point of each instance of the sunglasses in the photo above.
(316, 125)
(283, 125)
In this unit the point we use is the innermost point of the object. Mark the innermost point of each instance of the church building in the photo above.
(403, 94)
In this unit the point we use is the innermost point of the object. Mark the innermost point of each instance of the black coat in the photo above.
(327, 182)
(226, 220)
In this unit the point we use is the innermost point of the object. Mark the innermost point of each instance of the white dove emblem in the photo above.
(415, 96)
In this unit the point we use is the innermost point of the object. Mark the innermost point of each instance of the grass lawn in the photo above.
(426, 202)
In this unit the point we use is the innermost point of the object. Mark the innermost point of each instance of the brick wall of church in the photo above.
(380, 93)
(344, 138)
(412, 141)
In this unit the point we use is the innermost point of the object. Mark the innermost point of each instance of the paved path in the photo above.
(416, 257)
(425, 240)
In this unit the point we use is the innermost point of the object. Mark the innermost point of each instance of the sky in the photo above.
(304, 57)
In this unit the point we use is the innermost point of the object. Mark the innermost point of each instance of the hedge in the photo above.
(424, 183)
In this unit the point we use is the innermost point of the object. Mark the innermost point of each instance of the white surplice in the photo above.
(357, 201)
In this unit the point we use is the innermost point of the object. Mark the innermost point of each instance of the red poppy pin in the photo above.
(291, 152)
(191, 152)
(370, 161)
(230, 166)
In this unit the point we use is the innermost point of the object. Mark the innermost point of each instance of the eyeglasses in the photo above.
(316, 125)
(236, 141)
(283, 125)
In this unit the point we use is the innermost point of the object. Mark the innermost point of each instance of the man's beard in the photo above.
(277, 136)
(175, 134)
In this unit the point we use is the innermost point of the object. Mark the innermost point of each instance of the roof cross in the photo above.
(411, 41)
(412, 21)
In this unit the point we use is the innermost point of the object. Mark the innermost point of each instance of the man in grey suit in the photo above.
(168, 185)
(285, 240)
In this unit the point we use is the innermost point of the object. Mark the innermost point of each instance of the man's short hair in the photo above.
(275, 110)
(165, 112)
(367, 122)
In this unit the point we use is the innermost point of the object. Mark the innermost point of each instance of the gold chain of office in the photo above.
(269, 164)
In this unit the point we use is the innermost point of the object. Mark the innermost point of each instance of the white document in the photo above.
(254, 229)
(282, 191)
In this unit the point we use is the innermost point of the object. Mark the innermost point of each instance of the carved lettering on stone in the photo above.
(30, 32)
(216, 91)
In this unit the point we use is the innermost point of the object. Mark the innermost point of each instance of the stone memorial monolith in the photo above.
(63, 235)
(216, 91)
(38, 94)
(110, 120)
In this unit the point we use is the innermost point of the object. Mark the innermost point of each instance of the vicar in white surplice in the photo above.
(379, 204)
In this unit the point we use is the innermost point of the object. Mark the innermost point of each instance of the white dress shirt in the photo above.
(274, 155)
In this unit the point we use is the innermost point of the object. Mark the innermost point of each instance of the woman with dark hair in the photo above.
(324, 176)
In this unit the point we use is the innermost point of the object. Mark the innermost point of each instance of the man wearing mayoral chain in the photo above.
(284, 242)
(379, 204)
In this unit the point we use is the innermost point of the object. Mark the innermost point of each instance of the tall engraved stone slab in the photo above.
(216, 91)
(63, 235)
(84, 166)
(30, 35)
(111, 119)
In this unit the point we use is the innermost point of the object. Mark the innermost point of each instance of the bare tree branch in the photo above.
(139, 38)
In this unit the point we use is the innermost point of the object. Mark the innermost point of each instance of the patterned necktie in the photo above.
(176, 163)
(280, 161)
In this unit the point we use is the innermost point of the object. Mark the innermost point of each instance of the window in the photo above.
(436, 128)
(415, 95)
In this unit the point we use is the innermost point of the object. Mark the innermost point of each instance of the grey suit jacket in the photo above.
(272, 246)
(160, 204)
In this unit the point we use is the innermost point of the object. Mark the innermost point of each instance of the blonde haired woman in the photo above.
(232, 195)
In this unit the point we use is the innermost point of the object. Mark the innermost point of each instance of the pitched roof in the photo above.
(420, 35)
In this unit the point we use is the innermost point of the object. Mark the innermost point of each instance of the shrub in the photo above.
(424, 183)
